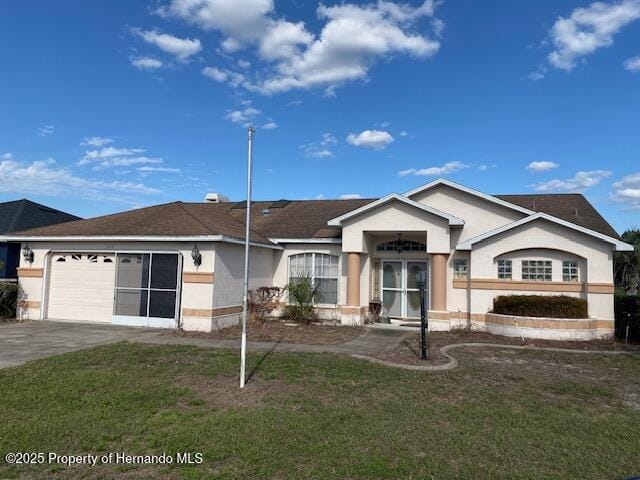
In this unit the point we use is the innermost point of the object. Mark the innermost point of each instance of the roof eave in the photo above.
(471, 191)
(337, 222)
(618, 245)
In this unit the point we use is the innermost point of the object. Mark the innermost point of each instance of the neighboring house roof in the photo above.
(23, 214)
(395, 197)
(175, 219)
(572, 207)
(618, 244)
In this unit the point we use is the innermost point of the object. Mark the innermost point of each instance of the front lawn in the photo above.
(501, 415)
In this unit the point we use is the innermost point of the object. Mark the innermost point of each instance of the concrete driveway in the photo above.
(22, 342)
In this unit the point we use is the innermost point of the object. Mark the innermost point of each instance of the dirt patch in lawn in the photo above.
(278, 331)
(224, 391)
(407, 352)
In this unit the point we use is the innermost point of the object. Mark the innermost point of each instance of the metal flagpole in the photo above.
(245, 292)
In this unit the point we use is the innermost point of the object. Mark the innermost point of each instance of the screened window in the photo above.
(570, 272)
(460, 268)
(323, 271)
(146, 285)
(536, 270)
(504, 269)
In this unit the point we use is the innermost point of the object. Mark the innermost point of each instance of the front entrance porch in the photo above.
(386, 274)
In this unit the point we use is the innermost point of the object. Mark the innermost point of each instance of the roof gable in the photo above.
(470, 191)
(617, 244)
(390, 198)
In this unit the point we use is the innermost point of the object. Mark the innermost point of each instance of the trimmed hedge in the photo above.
(8, 299)
(552, 306)
(627, 310)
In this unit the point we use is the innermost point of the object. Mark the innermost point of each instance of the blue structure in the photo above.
(21, 215)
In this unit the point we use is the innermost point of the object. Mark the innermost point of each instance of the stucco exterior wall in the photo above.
(193, 296)
(479, 215)
(396, 217)
(543, 239)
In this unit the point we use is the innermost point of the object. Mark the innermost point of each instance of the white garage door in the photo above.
(81, 287)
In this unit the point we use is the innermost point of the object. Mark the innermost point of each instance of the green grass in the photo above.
(501, 415)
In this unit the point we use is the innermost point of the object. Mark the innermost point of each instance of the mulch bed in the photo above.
(277, 331)
(408, 351)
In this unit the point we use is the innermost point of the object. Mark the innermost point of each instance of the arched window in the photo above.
(322, 268)
(401, 246)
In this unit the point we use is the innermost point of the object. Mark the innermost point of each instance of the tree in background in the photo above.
(627, 264)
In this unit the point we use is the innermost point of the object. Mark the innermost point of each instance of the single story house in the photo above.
(181, 264)
(21, 215)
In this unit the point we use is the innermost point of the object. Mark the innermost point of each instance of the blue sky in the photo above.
(111, 105)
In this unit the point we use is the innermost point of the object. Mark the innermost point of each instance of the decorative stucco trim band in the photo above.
(211, 312)
(353, 310)
(524, 286)
(198, 277)
(34, 304)
(30, 272)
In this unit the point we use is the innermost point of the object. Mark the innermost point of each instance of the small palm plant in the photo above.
(303, 294)
(8, 299)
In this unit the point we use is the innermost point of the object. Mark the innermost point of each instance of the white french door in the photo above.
(400, 293)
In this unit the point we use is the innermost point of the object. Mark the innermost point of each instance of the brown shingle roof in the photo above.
(170, 219)
(284, 219)
(572, 207)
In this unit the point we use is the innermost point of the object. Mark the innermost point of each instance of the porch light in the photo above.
(196, 256)
(27, 254)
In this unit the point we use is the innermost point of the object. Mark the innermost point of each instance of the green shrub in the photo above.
(552, 306)
(8, 299)
(303, 294)
(627, 310)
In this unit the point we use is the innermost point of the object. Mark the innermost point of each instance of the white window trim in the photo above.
(577, 271)
(466, 263)
(510, 268)
(313, 276)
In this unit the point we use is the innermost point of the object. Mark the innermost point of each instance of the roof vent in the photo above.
(215, 198)
(266, 212)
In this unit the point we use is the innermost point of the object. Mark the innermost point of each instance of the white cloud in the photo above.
(632, 64)
(109, 152)
(7, 156)
(216, 74)
(375, 139)
(240, 24)
(294, 103)
(627, 191)
(404, 133)
(96, 141)
(269, 126)
(46, 130)
(244, 116)
(284, 40)
(321, 149)
(542, 166)
(244, 64)
(579, 182)
(181, 48)
(45, 178)
(224, 75)
(146, 63)
(589, 28)
(352, 39)
(449, 167)
(350, 196)
(148, 169)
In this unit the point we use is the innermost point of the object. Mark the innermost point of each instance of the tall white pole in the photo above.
(245, 292)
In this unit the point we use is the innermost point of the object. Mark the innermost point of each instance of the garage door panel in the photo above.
(81, 287)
